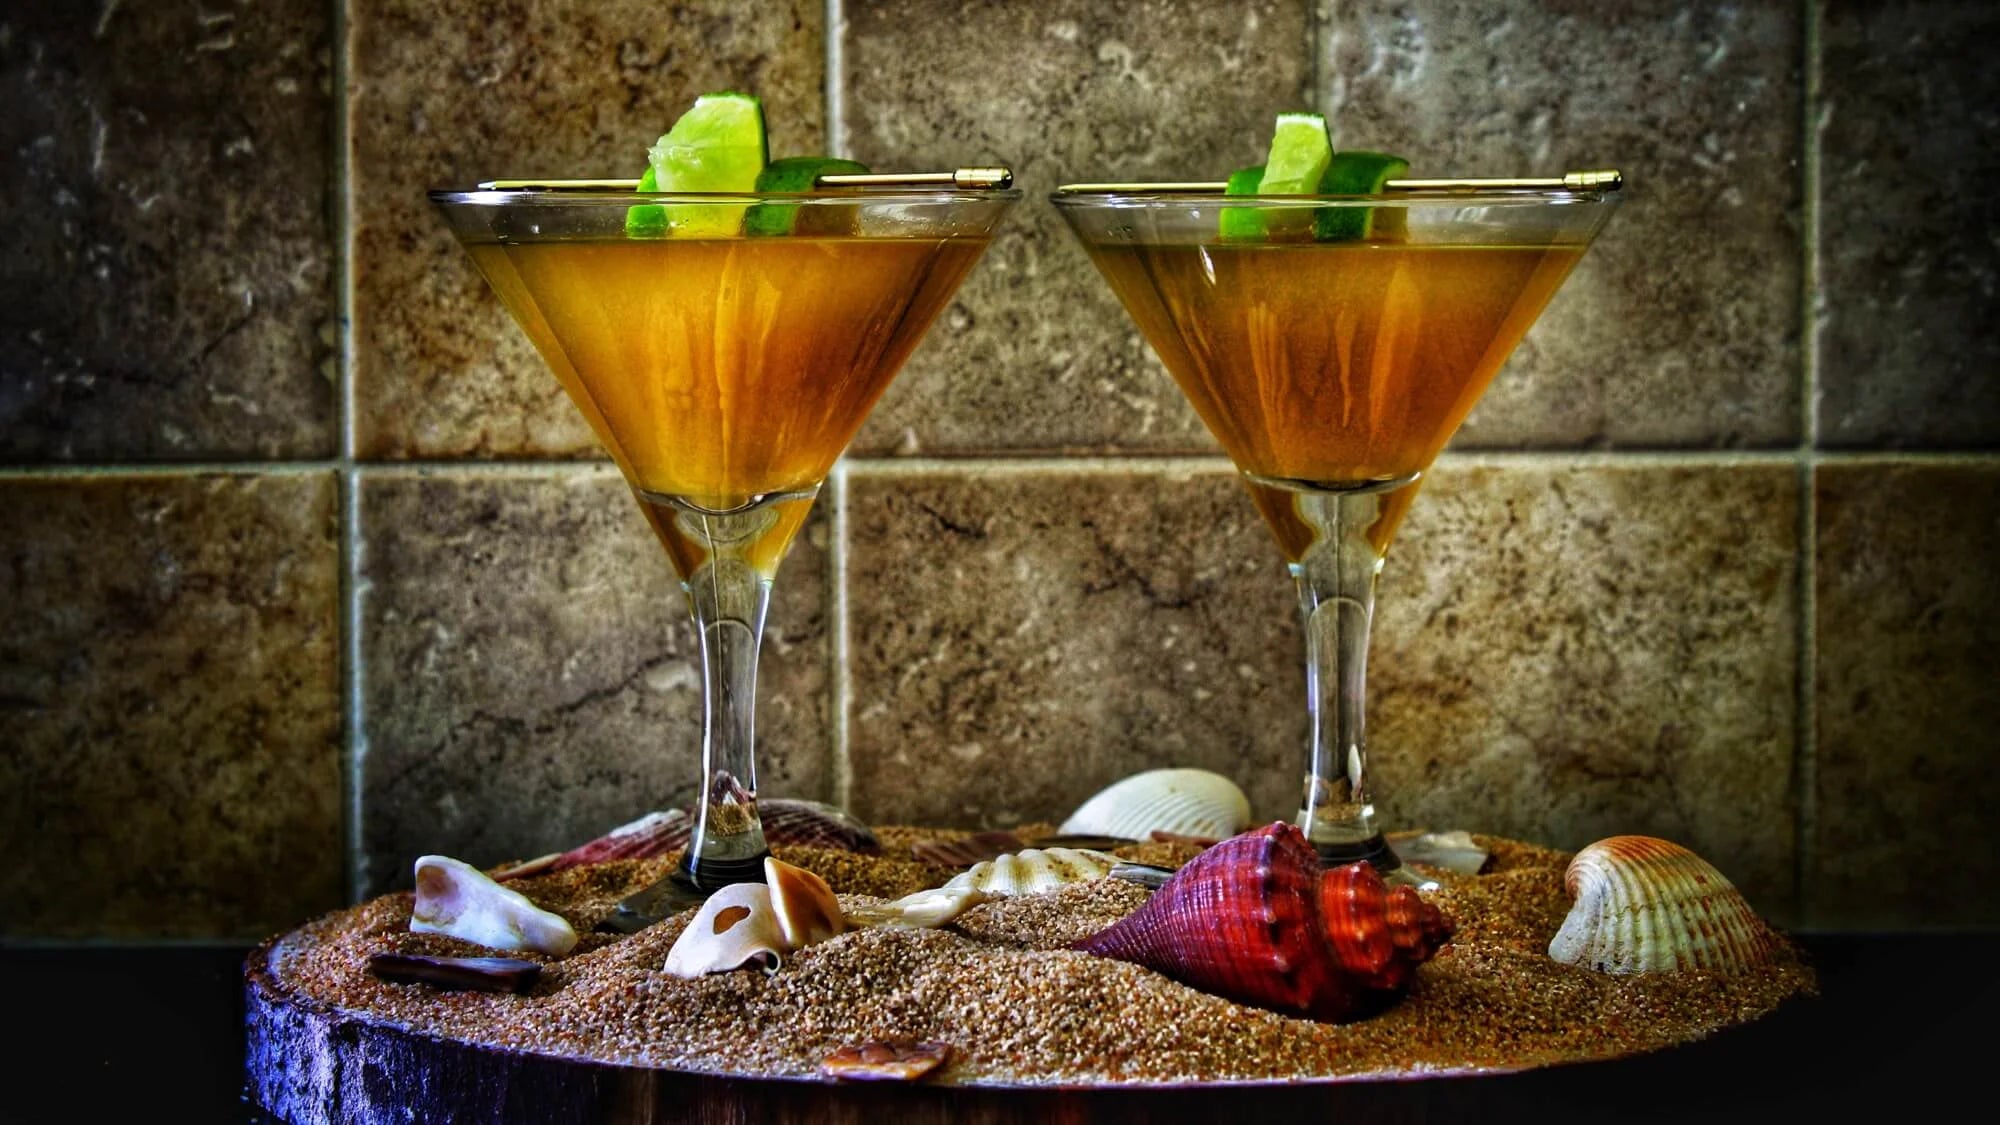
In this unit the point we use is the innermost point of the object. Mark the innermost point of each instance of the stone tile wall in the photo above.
(307, 566)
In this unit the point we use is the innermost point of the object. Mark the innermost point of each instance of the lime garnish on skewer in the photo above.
(1243, 224)
(717, 146)
(800, 174)
(1300, 153)
(1299, 156)
(1302, 162)
(1357, 173)
(646, 220)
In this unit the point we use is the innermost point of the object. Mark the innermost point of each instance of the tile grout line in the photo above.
(1079, 463)
(354, 750)
(1314, 46)
(832, 86)
(1806, 771)
(840, 767)
(838, 688)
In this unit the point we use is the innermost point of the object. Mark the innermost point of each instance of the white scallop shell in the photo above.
(458, 899)
(1646, 905)
(1033, 870)
(1186, 802)
(735, 929)
(924, 910)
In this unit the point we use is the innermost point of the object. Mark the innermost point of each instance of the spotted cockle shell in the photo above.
(1645, 905)
(459, 900)
(735, 929)
(924, 910)
(1033, 871)
(1184, 802)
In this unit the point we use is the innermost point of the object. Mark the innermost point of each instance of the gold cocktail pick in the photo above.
(1606, 179)
(992, 178)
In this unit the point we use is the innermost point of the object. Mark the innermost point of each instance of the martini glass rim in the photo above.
(1139, 198)
(615, 197)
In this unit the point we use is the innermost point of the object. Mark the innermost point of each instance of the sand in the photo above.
(1014, 1004)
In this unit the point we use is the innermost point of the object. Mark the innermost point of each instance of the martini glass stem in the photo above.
(729, 599)
(1336, 584)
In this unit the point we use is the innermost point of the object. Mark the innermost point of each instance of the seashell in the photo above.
(1145, 874)
(786, 822)
(1256, 919)
(881, 1059)
(1185, 802)
(924, 910)
(794, 823)
(967, 851)
(478, 974)
(656, 833)
(1449, 851)
(806, 909)
(1645, 905)
(1379, 933)
(1033, 871)
(1086, 841)
(460, 900)
(735, 929)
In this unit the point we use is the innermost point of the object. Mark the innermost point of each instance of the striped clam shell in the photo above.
(1182, 802)
(1646, 905)
(1032, 871)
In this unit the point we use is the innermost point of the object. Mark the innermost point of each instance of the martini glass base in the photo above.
(678, 891)
(1375, 850)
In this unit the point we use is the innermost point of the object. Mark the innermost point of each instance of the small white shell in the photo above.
(924, 910)
(458, 899)
(735, 929)
(1186, 802)
(1033, 870)
(1647, 905)
(1451, 851)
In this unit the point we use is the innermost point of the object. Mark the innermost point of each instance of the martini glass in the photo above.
(725, 373)
(1332, 371)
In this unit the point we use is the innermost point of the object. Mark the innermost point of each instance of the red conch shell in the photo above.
(1258, 920)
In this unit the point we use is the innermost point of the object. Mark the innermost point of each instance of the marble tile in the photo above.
(1907, 624)
(1568, 654)
(1036, 354)
(1017, 641)
(532, 677)
(1559, 655)
(165, 283)
(170, 722)
(448, 94)
(1909, 133)
(1681, 326)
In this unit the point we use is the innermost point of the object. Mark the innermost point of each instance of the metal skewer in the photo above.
(1607, 179)
(992, 178)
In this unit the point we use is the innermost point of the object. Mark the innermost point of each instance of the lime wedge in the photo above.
(1243, 224)
(1358, 173)
(799, 174)
(1300, 153)
(647, 220)
(717, 146)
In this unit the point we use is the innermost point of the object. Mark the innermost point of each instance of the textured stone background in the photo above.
(301, 577)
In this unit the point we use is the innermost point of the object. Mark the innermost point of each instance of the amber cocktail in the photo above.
(1332, 372)
(725, 375)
